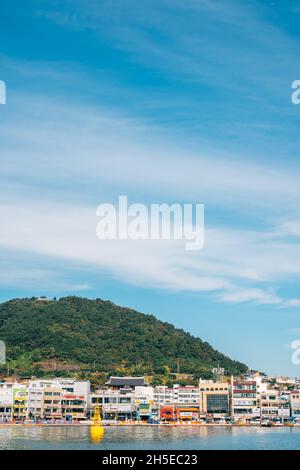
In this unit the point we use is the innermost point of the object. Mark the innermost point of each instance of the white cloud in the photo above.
(248, 295)
(237, 266)
(56, 143)
(293, 303)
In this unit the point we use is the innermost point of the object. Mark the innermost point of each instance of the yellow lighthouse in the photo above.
(96, 430)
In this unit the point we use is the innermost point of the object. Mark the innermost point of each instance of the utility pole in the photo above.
(231, 397)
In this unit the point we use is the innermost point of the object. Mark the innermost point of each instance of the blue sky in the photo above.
(165, 101)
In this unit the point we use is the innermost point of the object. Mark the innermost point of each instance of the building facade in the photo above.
(244, 399)
(6, 402)
(295, 404)
(213, 398)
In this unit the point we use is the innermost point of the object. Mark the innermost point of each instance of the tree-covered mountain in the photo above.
(75, 335)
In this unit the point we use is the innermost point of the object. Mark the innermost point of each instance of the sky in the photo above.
(163, 101)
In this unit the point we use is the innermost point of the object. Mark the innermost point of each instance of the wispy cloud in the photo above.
(251, 295)
(238, 266)
(56, 141)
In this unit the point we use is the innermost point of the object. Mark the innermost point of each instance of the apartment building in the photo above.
(51, 399)
(186, 395)
(20, 395)
(37, 402)
(244, 399)
(75, 400)
(6, 402)
(163, 395)
(52, 402)
(269, 404)
(58, 398)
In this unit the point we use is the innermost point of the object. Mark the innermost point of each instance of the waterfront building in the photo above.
(37, 403)
(244, 399)
(19, 401)
(117, 404)
(125, 403)
(144, 402)
(177, 402)
(58, 398)
(74, 407)
(252, 396)
(213, 398)
(269, 404)
(52, 402)
(75, 399)
(163, 395)
(188, 395)
(6, 402)
(186, 402)
(284, 409)
(295, 404)
(168, 413)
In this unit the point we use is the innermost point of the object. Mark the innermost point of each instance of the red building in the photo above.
(169, 413)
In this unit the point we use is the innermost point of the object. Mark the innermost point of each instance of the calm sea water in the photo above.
(151, 438)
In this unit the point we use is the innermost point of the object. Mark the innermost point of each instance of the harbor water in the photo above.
(148, 437)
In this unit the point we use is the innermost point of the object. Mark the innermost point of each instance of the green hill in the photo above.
(79, 336)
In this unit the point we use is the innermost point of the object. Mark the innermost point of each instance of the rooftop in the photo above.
(127, 381)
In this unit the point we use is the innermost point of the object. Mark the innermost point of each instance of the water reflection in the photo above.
(123, 437)
(96, 434)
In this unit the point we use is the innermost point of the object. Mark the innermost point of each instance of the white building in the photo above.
(6, 402)
(124, 398)
(36, 398)
(58, 398)
(186, 395)
(269, 404)
(163, 395)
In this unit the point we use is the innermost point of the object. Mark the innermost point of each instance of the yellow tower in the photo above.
(96, 430)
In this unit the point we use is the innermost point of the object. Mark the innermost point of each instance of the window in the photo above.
(125, 400)
(217, 403)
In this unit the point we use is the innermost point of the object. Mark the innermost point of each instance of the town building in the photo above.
(38, 404)
(125, 400)
(58, 399)
(52, 402)
(244, 399)
(213, 398)
(75, 399)
(251, 397)
(20, 394)
(6, 401)
(295, 404)
(163, 395)
(186, 402)
(269, 404)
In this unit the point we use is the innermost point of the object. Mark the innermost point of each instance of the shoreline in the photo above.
(107, 425)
